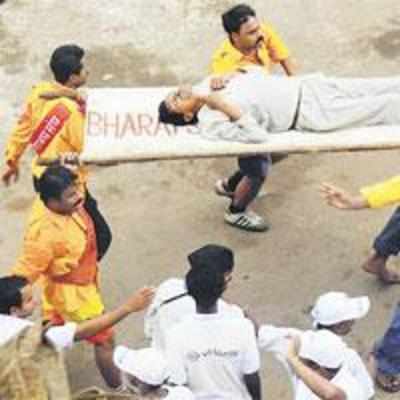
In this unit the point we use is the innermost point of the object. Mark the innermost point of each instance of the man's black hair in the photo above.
(205, 285)
(10, 292)
(235, 17)
(65, 61)
(212, 256)
(168, 117)
(53, 182)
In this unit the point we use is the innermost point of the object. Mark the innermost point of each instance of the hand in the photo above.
(339, 198)
(219, 82)
(294, 347)
(63, 92)
(70, 161)
(11, 173)
(140, 300)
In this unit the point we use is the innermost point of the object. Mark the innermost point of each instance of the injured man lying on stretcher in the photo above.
(253, 105)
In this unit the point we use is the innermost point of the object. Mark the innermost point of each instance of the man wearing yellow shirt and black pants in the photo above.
(249, 43)
(60, 246)
(52, 125)
(386, 352)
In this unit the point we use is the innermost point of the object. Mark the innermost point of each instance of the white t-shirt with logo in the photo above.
(211, 353)
(160, 318)
(352, 378)
(61, 337)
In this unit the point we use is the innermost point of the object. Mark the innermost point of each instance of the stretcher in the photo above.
(122, 126)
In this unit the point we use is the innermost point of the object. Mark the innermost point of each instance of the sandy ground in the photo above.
(160, 211)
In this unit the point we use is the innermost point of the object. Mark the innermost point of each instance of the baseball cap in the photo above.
(323, 347)
(334, 307)
(147, 364)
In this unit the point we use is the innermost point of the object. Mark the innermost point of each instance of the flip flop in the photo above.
(388, 383)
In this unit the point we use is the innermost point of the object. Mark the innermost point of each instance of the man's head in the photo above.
(242, 26)
(143, 371)
(16, 297)
(213, 256)
(337, 311)
(67, 66)
(206, 286)
(58, 191)
(180, 107)
(322, 351)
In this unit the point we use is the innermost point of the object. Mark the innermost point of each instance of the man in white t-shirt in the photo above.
(17, 303)
(335, 312)
(145, 372)
(171, 303)
(317, 367)
(214, 354)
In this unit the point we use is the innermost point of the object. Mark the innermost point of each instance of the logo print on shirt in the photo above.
(49, 127)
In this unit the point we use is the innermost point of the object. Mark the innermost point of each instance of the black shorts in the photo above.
(255, 166)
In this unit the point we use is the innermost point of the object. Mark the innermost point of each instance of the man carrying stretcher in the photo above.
(253, 105)
(52, 125)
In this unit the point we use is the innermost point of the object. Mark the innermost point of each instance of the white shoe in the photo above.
(248, 221)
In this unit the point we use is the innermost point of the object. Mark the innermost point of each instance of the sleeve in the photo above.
(175, 358)
(275, 340)
(382, 194)
(19, 137)
(217, 126)
(37, 255)
(360, 373)
(61, 337)
(275, 45)
(251, 356)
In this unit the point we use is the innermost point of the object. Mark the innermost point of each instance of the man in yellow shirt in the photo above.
(60, 246)
(52, 125)
(249, 43)
(386, 352)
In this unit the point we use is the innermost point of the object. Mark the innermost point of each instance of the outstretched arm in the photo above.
(137, 302)
(339, 198)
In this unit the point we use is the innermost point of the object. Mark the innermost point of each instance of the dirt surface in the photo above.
(160, 211)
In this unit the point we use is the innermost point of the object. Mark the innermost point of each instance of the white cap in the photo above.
(148, 365)
(334, 307)
(323, 347)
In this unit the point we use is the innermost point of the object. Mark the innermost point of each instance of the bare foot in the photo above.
(389, 275)
(374, 264)
(388, 383)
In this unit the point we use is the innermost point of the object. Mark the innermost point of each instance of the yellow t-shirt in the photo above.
(227, 58)
(382, 194)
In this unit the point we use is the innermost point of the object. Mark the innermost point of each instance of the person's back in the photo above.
(213, 355)
(170, 306)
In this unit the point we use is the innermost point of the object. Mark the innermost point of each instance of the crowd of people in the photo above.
(201, 347)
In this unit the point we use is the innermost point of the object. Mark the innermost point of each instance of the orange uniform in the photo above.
(62, 249)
